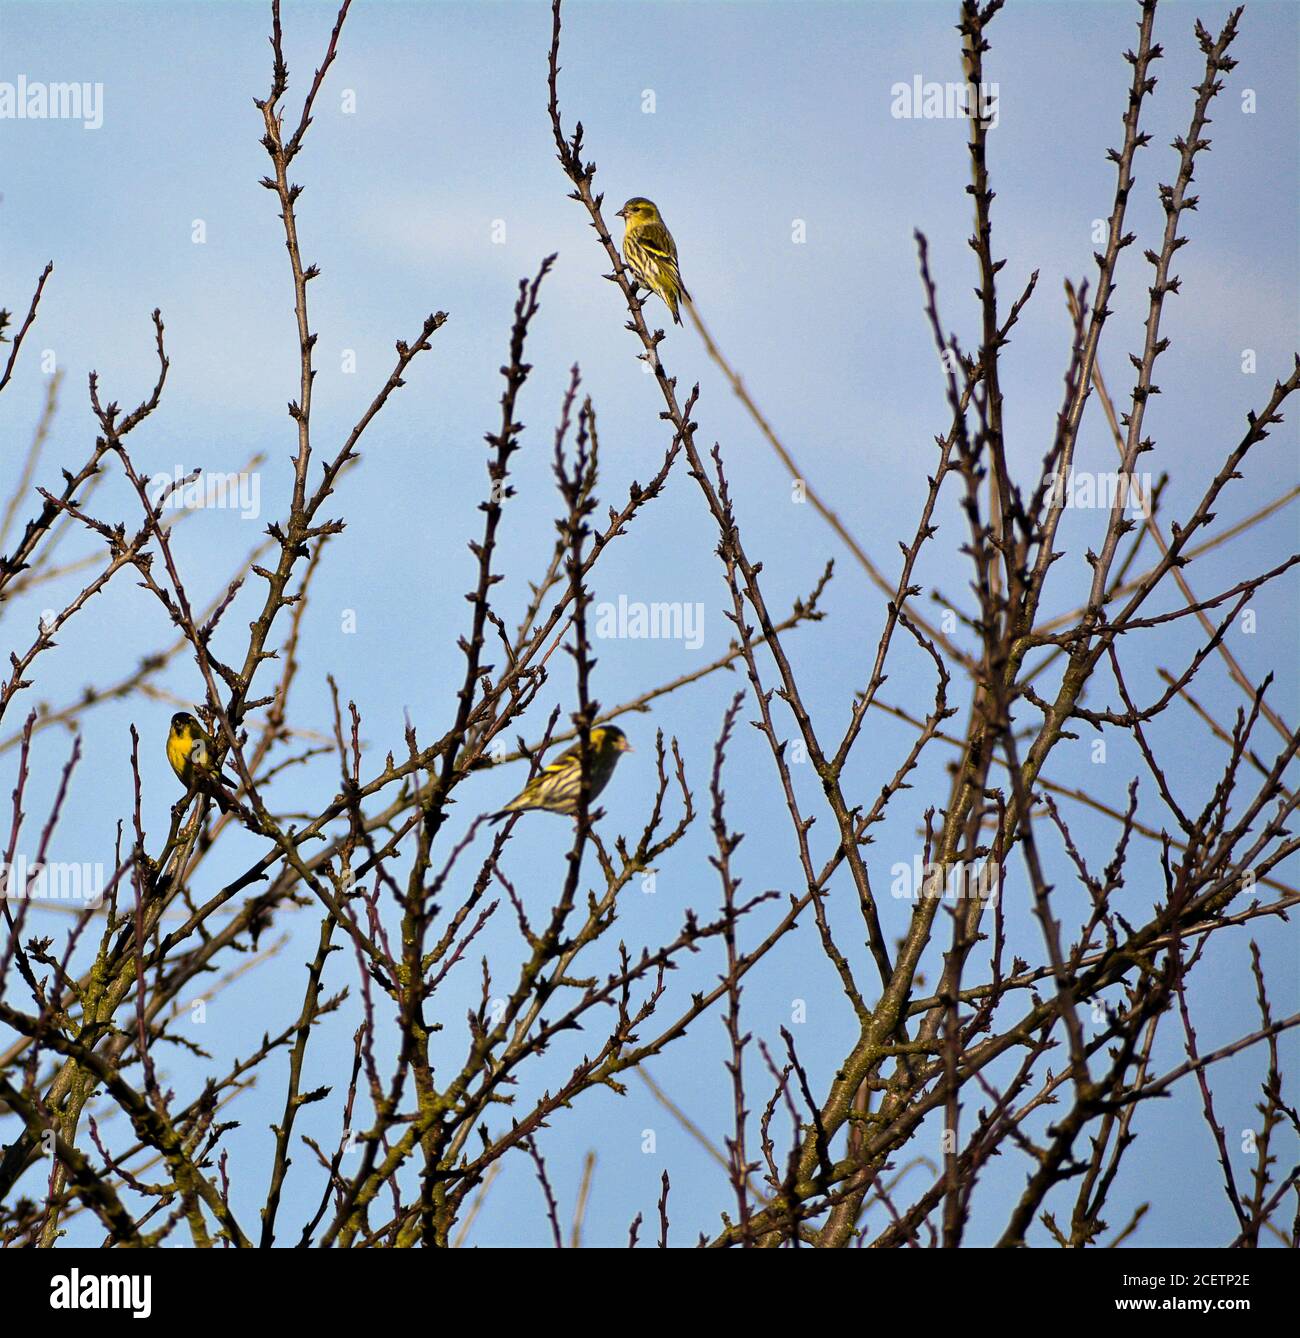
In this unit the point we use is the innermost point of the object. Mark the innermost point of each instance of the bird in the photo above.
(193, 756)
(651, 253)
(556, 786)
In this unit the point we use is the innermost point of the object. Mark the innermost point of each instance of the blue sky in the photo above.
(764, 115)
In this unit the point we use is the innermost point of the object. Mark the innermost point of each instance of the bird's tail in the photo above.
(222, 789)
(682, 297)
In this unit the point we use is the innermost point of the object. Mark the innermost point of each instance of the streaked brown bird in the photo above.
(651, 253)
(556, 786)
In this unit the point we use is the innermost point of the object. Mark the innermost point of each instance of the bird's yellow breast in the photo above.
(181, 753)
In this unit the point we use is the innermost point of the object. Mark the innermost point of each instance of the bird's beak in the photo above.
(627, 747)
(620, 213)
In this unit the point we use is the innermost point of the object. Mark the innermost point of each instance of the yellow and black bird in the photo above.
(193, 756)
(651, 253)
(556, 786)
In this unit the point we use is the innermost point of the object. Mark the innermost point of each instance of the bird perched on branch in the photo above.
(193, 756)
(651, 253)
(556, 786)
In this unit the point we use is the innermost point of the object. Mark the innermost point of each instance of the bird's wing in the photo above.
(659, 242)
(559, 762)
